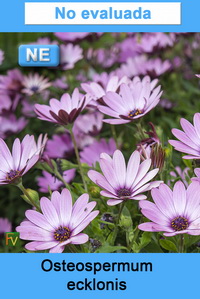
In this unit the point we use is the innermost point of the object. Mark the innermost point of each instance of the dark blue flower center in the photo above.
(135, 112)
(62, 234)
(13, 174)
(123, 192)
(179, 223)
(34, 88)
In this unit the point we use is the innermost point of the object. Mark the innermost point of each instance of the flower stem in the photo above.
(117, 223)
(140, 130)
(78, 159)
(21, 187)
(60, 177)
(181, 247)
(114, 134)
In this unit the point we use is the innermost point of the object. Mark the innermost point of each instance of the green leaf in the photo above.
(108, 248)
(168, 245)
(67, 165)
(33, 195)
(108, 223)
(79, 187)
(191, 240)
(188, 163)
(125, 219)
(135, 247)
(145, 239)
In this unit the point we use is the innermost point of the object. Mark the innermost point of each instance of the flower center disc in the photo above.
(13, 174)
(34, 88)
(124, 192)
(62, 234)
(135, 112)
(179, 223)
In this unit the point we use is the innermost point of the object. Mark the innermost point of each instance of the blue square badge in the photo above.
(38, 55)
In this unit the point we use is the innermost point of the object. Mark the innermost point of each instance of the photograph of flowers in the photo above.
(101, 154)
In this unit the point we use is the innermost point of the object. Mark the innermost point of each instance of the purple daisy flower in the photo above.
(133, 67)
(49, 181)
(91, 154)
(189, 138)
(60, 146)
(132, 103)
(24, 155)
(44, 41)
(173, 212)
(59, 224)
(10, 125)
(5, 103)
(120, 182)
(150, 42)
(11, 83)
(69, 55)
(71, 36)
(65, 111)
(89, 123)
(96, 90)
(156, 67)
(5, 226)
(34, 83)
(129, 48)
(104, 57)
(60, 83)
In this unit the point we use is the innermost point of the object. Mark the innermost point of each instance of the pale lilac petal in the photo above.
(155, 216)
(79, 239)
(49, 212)
(132, 168)
(119, 166)
(33, 246)
(189, 130)
(193, 200)
(108, 111)
(113, 100)
(164, 202)
(143, 169)
(140, 197)
(181, 147)
(39, 220)
(184, 138)
(31, 163)
(55, 199)
(57, 249)
(5, 153)
(197, 124)
(107, 193)
(179, 198)
(16, 153)
(65, 207)
(109, 173)
(85, 223)
(147, 178)
(113, 202)
(95, 176)
(116, 121)
(34, 233)
(82, 215)
(153, 227)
